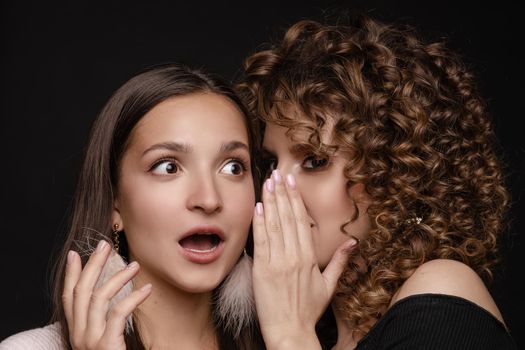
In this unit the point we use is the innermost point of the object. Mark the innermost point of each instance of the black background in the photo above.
(61, 62)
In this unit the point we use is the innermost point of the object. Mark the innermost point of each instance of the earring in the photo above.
(114, 264)
(235, 305)
(116, 238)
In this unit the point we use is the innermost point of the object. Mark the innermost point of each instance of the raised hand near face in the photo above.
(91, 322)
(291, 292)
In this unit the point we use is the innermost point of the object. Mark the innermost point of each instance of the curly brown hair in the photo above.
(416, 133)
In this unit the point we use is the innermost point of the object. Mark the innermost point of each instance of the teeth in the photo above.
(203, 251)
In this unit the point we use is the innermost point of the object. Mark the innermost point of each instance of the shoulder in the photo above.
(449, 277)
(47, 338)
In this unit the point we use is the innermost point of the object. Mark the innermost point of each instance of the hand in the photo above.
(290, 291)
(90, 324)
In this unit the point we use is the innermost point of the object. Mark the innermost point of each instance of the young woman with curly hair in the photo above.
(387, 142)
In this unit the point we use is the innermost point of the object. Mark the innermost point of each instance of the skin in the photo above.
(285, 265)
(292, 239)
(163, 192)
(322, 185)
(298, 235)
(294, 236)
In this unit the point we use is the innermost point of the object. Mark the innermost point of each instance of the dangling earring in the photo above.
(115, 237)
(235, 304)
(113, 265)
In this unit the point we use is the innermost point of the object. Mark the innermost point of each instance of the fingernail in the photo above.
(70, 256)
(132, 265)
(102, 244)
(259, 209)
(269, 185)
(290, 180)
(277, 176)
(146, 288)
(351, 242)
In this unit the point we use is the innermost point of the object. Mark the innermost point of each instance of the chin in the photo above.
(200, 281)
(199, 289)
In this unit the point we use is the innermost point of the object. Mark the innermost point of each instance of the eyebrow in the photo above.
(297, 149)
(232, 146)
(171, 146)
(300, 148)
(186, 148)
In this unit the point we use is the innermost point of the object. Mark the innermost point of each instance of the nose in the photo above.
(285, 167)
(204, 195)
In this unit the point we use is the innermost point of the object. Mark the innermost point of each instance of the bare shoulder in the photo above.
(443, 276)
(47, 338)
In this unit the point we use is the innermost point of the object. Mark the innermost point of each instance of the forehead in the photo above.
(192, 118)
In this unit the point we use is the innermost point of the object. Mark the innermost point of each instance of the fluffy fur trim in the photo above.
(114, 264)
(235, 305)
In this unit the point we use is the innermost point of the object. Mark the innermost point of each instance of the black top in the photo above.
(437, 321)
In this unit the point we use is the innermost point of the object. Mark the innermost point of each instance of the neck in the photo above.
(171, 316)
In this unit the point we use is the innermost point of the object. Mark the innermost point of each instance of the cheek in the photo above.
(148, 210)
(240, 203)
(362, 225)
(327, 201)
(330, 206)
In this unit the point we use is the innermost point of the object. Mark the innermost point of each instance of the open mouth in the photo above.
(204, 242)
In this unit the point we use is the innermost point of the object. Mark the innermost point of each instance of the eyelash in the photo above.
(163, 160)
(313, 156)
(269, 160)
(243, 163)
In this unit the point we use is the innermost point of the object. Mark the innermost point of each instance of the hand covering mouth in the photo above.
(201, 242)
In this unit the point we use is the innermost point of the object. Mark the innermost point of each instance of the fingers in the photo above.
(302, 219)
(101, 298)
(285, 220)
(117, 317)
(84, 287)
(72, 275)
(261, 248)
(286, 214)
(335, 267)
(272, 221)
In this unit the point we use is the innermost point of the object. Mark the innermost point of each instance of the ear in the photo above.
(116, 218)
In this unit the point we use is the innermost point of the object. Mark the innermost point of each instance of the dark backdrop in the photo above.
(60, 63)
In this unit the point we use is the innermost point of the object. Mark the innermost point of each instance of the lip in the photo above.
(203, 257)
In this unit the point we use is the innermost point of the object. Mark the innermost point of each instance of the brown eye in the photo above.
(165, 167)
(233, 167)
(314, 162)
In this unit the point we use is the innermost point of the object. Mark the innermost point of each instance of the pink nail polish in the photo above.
(70, 256)
(269, 185)
(277, 176)
(290, 180)
(351, 242)
(146, 288)
(132, 265)
(259, 209)
(102, 244)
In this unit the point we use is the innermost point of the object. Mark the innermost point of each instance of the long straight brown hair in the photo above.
(97, 183)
